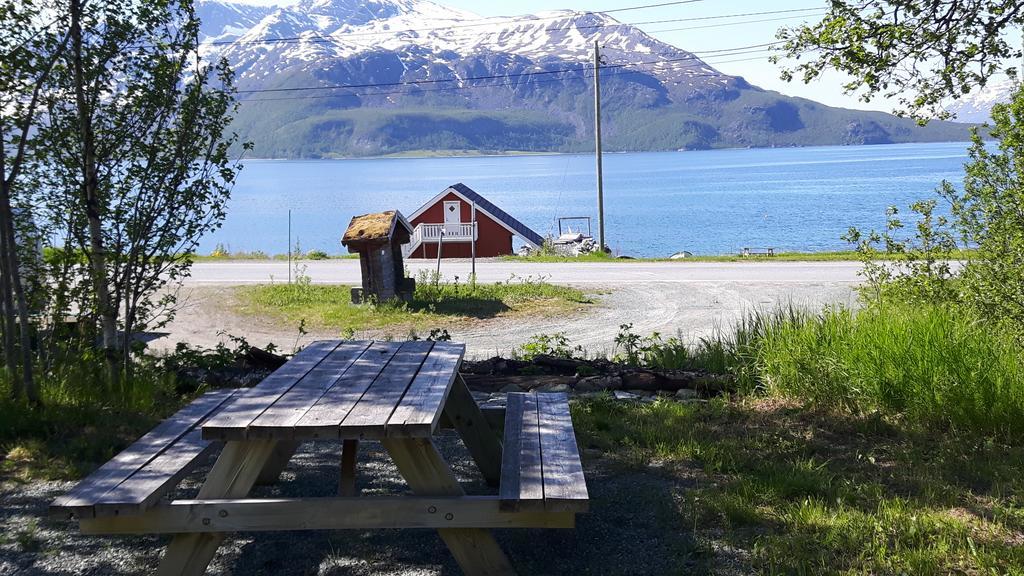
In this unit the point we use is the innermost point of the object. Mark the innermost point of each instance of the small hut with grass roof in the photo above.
(378, 239)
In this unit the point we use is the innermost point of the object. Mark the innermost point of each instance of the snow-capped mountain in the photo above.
(976, 107)
(420, 75)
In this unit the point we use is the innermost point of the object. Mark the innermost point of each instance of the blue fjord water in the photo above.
(706, 202)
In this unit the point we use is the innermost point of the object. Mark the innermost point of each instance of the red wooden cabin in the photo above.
(451, 214)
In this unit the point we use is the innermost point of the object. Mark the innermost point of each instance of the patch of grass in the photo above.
(330, 306)
(65, 441)
(820, 492)
(933, 365)
(834, 256)
(257, 255)
(84, 419)
(27, 536)
(550, 257)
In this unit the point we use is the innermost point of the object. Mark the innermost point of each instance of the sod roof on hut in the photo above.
(380, 226)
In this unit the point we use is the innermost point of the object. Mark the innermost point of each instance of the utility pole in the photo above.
(472, 231)
(597, 141)
(289, 246)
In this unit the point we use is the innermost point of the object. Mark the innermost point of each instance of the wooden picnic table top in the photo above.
(346, 389)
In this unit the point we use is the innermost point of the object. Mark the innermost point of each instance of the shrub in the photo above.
(556, 345)
(220, 251)
(317, 255)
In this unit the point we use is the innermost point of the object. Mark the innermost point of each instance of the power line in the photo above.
(734, 23)
(617, 70)
(346, 36)
(693, 55)
(644, 7)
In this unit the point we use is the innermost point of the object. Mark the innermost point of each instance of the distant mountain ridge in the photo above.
(522, 85)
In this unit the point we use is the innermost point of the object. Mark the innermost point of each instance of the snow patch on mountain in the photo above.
(976, 107)
(424, 34)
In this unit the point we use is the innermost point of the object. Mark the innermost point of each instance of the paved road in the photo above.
(347, 271)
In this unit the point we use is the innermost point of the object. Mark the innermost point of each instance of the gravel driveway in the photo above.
(690, 309)
(633, 528)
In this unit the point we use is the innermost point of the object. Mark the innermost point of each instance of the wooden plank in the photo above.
(369, 417)
(418, 413)
(279, 419)
(522, 481)
(512, 451)
(565, 488)
(347, 479)
(367, 512)
(232, 422)
(324, 418)
(483, 444)
(419, 462)
(80, 499)
(232, 476)
(148, 484)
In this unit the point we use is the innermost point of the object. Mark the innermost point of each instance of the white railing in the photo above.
(432, 233)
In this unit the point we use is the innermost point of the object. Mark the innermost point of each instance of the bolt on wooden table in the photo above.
(399, 393)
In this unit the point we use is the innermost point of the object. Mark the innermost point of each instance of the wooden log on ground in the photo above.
(259, 358)
(569, 364)
(699, 381)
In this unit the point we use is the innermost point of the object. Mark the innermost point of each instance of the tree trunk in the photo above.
(13, 274)
(93, 207)
(7, 308)
(9, 276)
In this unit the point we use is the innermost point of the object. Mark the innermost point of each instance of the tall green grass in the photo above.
(84, 419)
(932, 364)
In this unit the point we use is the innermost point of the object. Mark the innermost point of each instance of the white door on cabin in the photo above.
(452, 217)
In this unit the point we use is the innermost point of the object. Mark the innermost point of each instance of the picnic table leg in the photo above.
(478, 436)
(278, 462)
(232, 476)
(423, 467)
(347, 482)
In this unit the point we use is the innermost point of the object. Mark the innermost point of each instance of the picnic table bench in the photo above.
(769, 252)
(398, 393)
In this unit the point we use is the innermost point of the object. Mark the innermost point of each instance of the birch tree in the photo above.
(31, 46)
(139, 168)
(921, 53)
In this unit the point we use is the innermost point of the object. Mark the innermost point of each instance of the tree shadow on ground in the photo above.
(795, 490)
(631, 529)
(720, 487)
(480, 308)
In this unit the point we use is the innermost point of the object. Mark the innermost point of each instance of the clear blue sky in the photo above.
(697, 38)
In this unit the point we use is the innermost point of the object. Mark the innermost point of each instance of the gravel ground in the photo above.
(689, 309)
(634, 528)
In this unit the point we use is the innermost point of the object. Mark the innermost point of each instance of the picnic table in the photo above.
(397, 393)
(747, 251)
